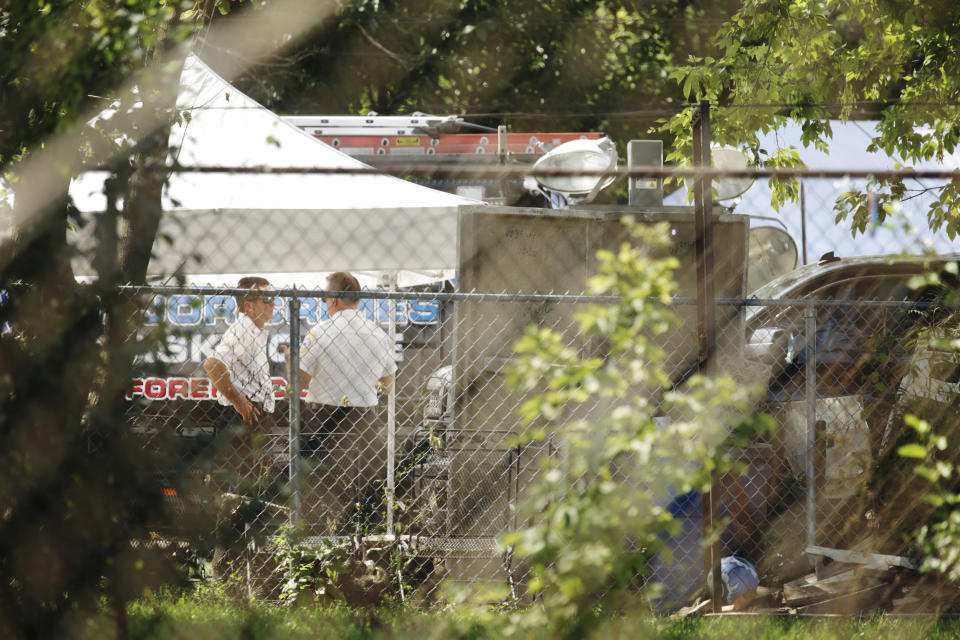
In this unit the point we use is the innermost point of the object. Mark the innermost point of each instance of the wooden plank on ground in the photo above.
(696, 609)
(864, 558)
(764, 598)
(808, 590)
(862, 601)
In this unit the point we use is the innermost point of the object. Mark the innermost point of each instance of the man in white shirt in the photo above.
(239, 369)
(349, 360)
(346, 363)
(240, 372)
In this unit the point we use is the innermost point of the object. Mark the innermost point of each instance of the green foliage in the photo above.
(598, 513)
(933, 428)
(207, 612)
(813, 60)
(535, 65)
(80, 497)
(939, 539)
(354, 572)
(809, 628)
(60, 54)
(206, 615)
(310, 572)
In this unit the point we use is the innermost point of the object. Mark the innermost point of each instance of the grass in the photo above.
(808, 628)
(210, 614)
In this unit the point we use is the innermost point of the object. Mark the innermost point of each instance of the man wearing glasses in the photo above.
(239, 369)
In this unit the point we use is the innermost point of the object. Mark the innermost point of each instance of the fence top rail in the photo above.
(474, 296)
(817, 302)
(504, 171)
(380, 294)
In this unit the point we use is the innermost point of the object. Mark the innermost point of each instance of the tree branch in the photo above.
(382, 48)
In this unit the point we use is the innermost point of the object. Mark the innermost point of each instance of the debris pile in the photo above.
(845, 583)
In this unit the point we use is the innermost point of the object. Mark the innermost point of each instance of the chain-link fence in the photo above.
(244, 413)
(405, 435)
(297, 407)
(432, 460)
(395, 463)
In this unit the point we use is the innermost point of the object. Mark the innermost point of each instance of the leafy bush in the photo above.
(930, 412)
(352, 571)
(939, 538)
(311, 572)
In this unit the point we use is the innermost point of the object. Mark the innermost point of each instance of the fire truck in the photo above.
(397, 144)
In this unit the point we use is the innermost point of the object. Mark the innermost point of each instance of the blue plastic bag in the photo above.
(737, 577)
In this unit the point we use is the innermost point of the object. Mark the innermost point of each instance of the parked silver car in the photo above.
(874, 327)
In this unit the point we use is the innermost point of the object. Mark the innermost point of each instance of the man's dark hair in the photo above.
(343, 281)
(249, 282)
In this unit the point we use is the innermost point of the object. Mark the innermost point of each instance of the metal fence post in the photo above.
(293, 386)
(810, 377)
(392, 418)
(706, 314)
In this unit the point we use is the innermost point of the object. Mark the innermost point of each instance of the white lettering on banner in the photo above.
(202, 346)
(177, 350)
(184, 310)
(424, 311)
(219, 309)
(309, 308)
(197, 347)
(188, 389)
(151, 313)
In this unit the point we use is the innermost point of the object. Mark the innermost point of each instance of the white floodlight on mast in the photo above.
(577, 155)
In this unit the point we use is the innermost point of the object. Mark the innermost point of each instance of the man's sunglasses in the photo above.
(268, 300)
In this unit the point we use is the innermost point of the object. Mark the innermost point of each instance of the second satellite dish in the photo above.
(735, 160)
(772, 253)
(732, 160)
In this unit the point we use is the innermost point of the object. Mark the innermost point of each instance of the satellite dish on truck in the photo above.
(772, 253)
(730, 159)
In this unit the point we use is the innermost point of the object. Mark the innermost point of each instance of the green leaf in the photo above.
(926, 472)
(912, 450)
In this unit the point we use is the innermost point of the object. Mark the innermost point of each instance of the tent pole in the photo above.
(391, 412)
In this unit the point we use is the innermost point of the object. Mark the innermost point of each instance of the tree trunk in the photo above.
(143, 209)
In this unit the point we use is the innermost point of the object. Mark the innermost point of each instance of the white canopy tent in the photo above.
(238, 223)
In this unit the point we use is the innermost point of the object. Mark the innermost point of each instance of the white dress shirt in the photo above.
(346, 356)
(243, 349)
